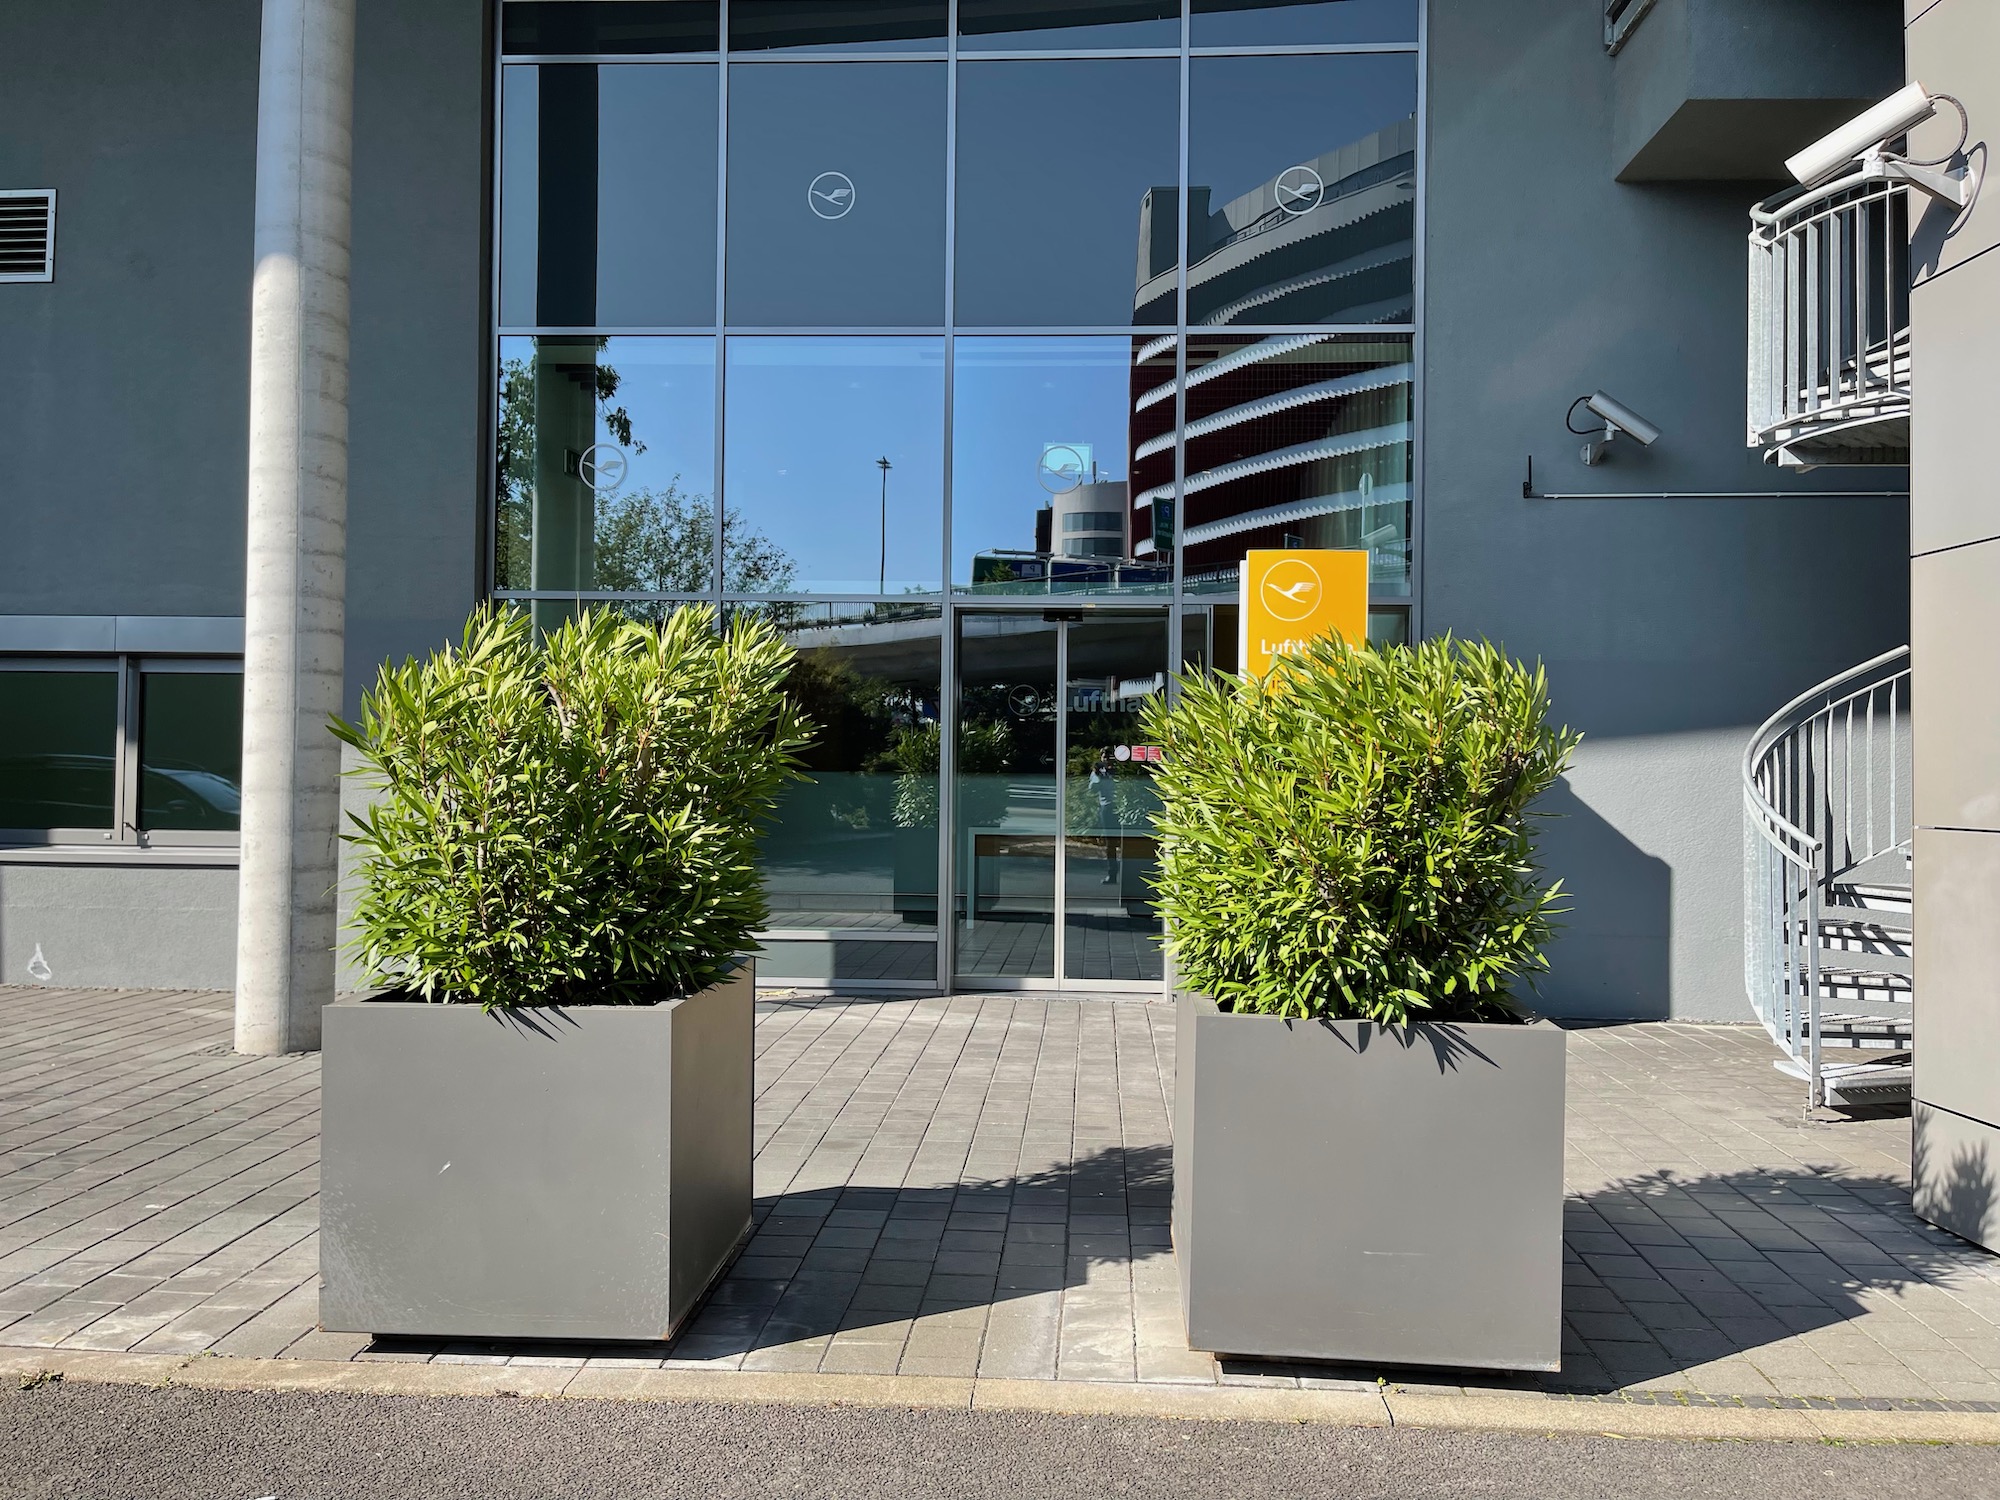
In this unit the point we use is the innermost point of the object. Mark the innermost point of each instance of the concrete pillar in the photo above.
(294, 608)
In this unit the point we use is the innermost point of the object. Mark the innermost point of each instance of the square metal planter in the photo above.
(1352, 1192)
(578, 1173)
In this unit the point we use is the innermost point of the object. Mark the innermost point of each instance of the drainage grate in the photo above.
(28, 235)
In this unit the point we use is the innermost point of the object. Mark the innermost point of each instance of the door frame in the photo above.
(1062, 612)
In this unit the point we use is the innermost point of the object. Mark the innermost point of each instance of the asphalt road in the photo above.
(83, 1442)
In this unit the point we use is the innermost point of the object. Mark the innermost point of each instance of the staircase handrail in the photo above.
(1799, 791)
(1779, 725)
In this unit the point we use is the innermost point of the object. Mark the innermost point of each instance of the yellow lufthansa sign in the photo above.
(1294, 597)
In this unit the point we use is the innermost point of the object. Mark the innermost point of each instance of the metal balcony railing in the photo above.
(1827, 814)
(1621, 19)
(1830, 323)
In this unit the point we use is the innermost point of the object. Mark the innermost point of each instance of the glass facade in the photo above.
(943, 333)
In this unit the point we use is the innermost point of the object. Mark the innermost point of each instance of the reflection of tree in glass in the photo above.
(985, 748)
(645, 540)
(514, 529)
(862, 722)
(663, 541)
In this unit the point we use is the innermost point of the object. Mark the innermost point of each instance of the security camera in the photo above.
(1899, 114)
(1617, 417)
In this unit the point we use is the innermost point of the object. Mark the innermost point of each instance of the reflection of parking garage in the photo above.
(1293, 440)
(1331, 239)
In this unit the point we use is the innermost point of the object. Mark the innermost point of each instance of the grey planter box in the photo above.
(575, 1174)
(1344, 1191)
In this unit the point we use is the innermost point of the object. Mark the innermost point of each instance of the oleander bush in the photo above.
(1354, 837)
(570, 820)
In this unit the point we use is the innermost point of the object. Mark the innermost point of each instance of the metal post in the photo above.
(295, 582)
(882, 581)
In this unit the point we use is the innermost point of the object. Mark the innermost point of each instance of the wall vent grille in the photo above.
(28, 235)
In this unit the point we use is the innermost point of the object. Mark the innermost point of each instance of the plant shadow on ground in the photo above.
(1662, 1272)
(848, 1259)
(1666, 1272)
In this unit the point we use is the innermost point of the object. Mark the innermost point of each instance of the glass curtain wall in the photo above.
(928, 328)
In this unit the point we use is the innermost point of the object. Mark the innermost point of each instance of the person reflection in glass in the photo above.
(1103, 781)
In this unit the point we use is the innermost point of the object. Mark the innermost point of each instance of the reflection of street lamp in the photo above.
(882, 582)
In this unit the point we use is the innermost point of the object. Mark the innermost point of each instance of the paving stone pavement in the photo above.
(979, 1185)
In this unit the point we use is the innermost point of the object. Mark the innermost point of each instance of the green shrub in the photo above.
(1354, 839)
(571, 821)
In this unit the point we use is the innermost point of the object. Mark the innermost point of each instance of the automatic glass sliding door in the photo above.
(1052, 850)
(1113, 666)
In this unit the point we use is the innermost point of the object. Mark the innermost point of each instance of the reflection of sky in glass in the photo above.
(806, 421)
(1013, 397)
(667, 387)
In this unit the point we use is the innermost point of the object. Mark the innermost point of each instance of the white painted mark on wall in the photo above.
(38, 967)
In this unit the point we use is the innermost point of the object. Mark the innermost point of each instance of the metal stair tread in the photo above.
(1887, 980)
(1886, 1081)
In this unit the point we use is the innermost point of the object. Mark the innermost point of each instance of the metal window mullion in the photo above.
(1176, 595)
(1182, 274)
(1413, 524)
(125, 796)
(487, 569)
(719, 560)
(947, 799)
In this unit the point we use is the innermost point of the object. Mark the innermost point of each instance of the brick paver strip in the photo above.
(974, 1190)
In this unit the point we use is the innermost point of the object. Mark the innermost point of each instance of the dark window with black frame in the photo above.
(120, 751)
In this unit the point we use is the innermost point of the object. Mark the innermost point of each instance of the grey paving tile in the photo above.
(1711, 1236)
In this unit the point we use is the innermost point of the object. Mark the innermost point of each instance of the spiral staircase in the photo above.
(1828, 937)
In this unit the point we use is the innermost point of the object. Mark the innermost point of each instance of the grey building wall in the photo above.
(123, 386)
(123, 406)
(1721, 89)
(1670, 628)
(1954, 47)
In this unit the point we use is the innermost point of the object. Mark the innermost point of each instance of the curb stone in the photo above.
(1342, 1408)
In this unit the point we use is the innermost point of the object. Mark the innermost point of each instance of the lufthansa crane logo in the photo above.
(831, 195)
(1299, 190)
(1292, 589)
(1062, 468)
(602, 466)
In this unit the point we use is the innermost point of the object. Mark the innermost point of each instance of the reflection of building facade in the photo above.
(1331, 239)
(1293, 439)
(1296, 440)
(1090, 521)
